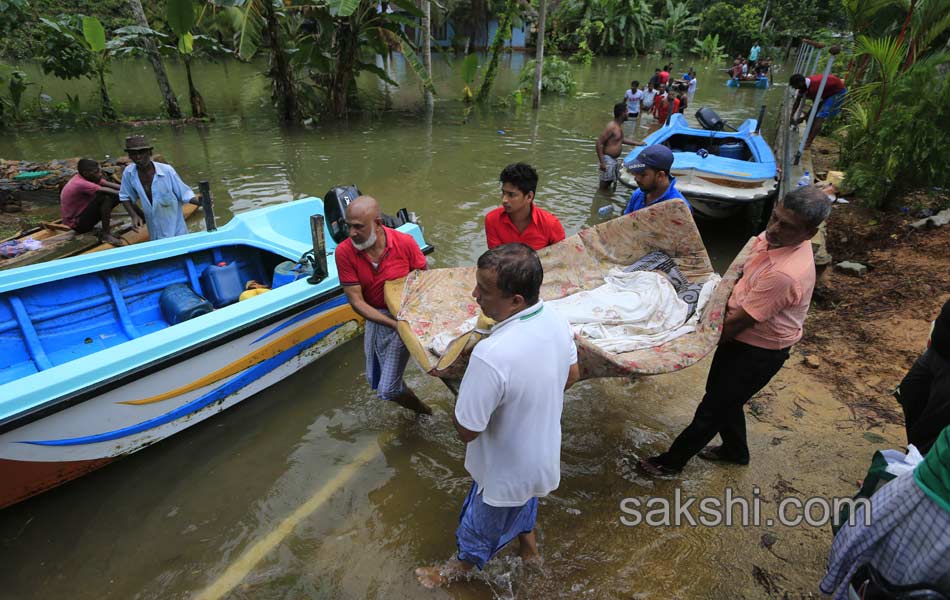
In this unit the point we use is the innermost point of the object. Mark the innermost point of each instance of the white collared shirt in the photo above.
(512, 394)
(163, 213)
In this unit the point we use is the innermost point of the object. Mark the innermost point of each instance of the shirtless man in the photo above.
(610, 144)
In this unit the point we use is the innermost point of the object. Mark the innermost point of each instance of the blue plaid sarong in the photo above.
(386, 359)
(484, 530)
(908, 541)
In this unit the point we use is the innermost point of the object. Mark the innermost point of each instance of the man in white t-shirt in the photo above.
(649, 96)
(632, 97)
(508, 412)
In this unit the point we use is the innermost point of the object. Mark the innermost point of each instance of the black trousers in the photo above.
(738, 372)
(924, 394)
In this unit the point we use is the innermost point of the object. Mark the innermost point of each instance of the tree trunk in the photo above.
(501, 34)
(427, 46)
(284, 94)
(539, 55)
(198, 109)
(347, 53)
(764, 14)
(171, 103)
(107, 110)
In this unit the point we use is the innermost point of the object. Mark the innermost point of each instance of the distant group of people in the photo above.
(88, 199)
(752, 67)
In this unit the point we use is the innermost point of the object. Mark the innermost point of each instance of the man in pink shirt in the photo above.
(87, 200)
(764, 318)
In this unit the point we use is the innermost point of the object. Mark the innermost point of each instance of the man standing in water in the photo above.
(633, 97)
(610, 144)
(651, 170)
(157, 187)
(509, 412)
(365, 261)
(518, 219)
(764, 318)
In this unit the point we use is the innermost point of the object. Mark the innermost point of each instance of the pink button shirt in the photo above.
(775, 289)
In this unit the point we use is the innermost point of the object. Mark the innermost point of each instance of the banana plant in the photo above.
(76, 47)
(343, 39)
(181, 18)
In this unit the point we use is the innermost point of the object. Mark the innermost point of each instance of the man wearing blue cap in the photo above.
(651, 170)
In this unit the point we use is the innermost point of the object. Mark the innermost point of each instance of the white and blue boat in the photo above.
(718, 171)
(92, 369)
(761, 82)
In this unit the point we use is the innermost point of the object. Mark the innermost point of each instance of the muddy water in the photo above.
(380, 491)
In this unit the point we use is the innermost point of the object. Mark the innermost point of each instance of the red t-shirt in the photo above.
(75, 197)
(353, 267)
(832, 86)
(543, 230)
(662, 108)
(664, 76)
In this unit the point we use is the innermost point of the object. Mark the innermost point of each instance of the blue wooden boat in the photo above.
(718, 171)
(761, 83)
(92, 370)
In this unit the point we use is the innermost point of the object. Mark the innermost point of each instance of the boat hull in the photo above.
(115, 422)
(96, 365)
(761, 83)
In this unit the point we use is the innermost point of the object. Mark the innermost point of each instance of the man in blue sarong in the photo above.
(509, 412)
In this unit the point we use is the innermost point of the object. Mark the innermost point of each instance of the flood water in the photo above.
(169, 521)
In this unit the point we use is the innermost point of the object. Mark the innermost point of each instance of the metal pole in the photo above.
(787, 150)
(801, 57)
(798, 57)
(814, 67)
(319, 250)
(758, 122)
(814, 107)
(207, 205)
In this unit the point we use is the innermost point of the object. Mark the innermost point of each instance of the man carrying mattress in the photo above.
(764, 318)
(508, 412)
(365, 261)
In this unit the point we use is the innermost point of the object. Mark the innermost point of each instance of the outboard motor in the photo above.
(708, 118)
(334, 209)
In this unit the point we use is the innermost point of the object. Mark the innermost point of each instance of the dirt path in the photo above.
(830, 412)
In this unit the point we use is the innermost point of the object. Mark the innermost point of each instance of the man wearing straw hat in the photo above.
(158, 189)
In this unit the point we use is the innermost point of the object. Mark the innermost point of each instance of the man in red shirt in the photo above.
(518, 219)
(365, 261)
(832, 99)
(764, 319)
(87, 200)
(661, 106)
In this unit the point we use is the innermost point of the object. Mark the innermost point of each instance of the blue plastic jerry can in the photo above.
(221, 284)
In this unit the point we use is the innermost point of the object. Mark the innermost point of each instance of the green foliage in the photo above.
(469, 72)
(24, 38)
(11, 12)
(603, 26)
(62, 54)
(556, 76)
(676, 26)
(180, 15)
(76, 47)
(894, 145)
(709, 48)
(16, 83)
